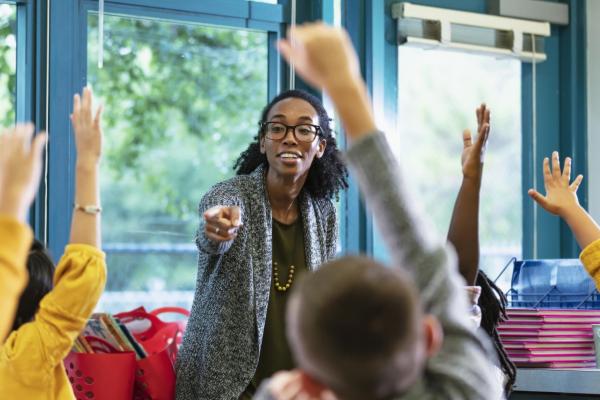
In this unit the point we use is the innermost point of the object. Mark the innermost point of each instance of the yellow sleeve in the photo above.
(590, 257)
(37, 347)
(15, 242)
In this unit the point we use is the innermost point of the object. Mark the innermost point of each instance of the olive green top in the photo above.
(275, 354)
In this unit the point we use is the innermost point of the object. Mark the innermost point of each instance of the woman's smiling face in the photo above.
(289, 156)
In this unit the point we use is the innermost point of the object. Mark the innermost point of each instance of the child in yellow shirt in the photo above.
(561, 199)
(20, 170)
(31, 359)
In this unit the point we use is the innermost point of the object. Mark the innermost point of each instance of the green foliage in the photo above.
(181, 102)
(8, 28)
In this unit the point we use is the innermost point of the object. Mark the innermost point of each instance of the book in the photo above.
(516, 345)
(561, 364)
(552, 319)
(77, 347)
(96, 327)
(552, 352)
(553, 333)
(139, 349)
(553, 312)
(542, 325)
(553, 358)
(549, 339)
(84, 343)
(116, 332)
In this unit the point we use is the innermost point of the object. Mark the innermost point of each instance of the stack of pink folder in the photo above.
(550, 338)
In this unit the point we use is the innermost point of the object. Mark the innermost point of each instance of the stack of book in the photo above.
(550, 338)
(108, 328)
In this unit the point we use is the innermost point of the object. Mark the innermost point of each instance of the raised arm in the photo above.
(85, 224)
(20, 170)
(81, 272)
(561, 199)
(463, 232)
(324, 57)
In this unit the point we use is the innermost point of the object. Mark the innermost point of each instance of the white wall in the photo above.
(593, 111)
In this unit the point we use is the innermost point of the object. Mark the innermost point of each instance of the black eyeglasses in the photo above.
(302, 133)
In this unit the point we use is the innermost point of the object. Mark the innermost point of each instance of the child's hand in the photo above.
(322, 55)
(87, 128)
(20, 169)
(561, 196)
(296, 385)
(473, 154)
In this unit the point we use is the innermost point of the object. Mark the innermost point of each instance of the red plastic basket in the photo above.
(101, 375)
(155, 374)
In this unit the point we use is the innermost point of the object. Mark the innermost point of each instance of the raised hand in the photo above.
(322, 55)
(87, 127)
(561, 194)
(222, 223)
(473, 153)
(20, 169)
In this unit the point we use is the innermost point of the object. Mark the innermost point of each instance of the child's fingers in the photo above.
(575, 185)
(87, 98)
(285, 385)
(24, 132)
(555, 165)
(566, 174)
(285, 48)
(76, 104)
(98, 116)
(538, 197)
(467, 138)
(290, 389)
(483, 135)
(37, 147)
(328, 395)
(547, 173)
(486, 114)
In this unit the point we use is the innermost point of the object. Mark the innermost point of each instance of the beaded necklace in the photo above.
(292, 269)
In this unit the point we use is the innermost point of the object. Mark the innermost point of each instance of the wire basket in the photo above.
(562, 283)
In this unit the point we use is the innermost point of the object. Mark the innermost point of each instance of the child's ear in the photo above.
(434, 335)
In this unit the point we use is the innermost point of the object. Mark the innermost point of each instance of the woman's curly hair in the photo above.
(327, 175)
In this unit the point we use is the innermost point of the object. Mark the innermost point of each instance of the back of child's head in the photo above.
(356, 327)
(41, 271)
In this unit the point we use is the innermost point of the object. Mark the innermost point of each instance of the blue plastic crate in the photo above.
(560, 283)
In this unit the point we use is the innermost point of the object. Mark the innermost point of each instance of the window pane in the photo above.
(438, 94)
(8, 63)
(182, 101)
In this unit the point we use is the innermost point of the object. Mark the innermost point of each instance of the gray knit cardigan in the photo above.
(221, 345)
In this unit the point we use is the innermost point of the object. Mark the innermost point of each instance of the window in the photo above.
(8, 64)
(182, 101)
(438, 94)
